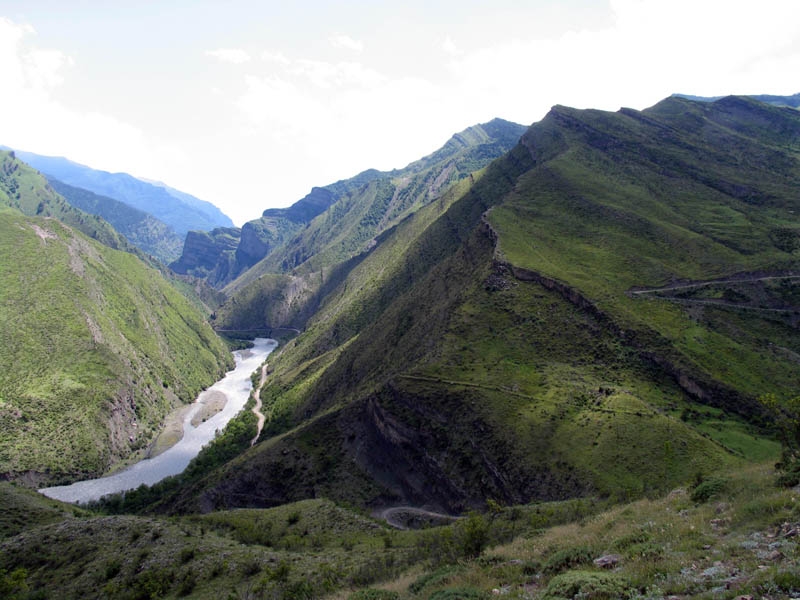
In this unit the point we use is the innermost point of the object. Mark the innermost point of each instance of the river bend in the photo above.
(236, 385)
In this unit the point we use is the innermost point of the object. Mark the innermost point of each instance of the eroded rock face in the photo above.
(208, 254)
(202, 249)
(255, 243)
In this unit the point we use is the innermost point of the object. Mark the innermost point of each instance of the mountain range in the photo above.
(609, 274)
(365, 205)
(180, 211)
(587, 322)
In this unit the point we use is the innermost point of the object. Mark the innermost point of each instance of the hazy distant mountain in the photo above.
(180, 211)
(141, 229)
(337, 221)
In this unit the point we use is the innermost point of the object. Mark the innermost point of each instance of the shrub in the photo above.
(631, 539)
(531, 567)
(588, 585)
(187, 584)
(474, 535)
(112, 568)
(646, 551)
(153, 583)
(441, 575)
(250, 566)
(790, 476)
(186, 555)
(707, 489)
(14, 584)
(299, 590)
(567, 559)
(787, 581)
(281, 572)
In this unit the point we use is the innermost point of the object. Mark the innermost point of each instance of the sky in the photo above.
(248, 104)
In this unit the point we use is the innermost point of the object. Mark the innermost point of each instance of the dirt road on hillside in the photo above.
(257, 408)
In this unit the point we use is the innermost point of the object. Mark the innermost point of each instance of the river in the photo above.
(236, 386)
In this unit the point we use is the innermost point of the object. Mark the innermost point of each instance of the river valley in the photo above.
(235, 386)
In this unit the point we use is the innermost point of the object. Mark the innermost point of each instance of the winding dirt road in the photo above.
(699, 284)
(394, 516)
(257, 408)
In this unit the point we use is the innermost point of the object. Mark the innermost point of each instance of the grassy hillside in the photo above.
(141, 229)
(680, 194)
(97, 349)
(730, 536)
(552, 330)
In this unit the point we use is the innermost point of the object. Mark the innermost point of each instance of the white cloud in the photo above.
(235, 56)
(43, 68)
(449, 47)
(275, 57)
(345, 41)
(328, 75)
(32, 117)
(651, 49)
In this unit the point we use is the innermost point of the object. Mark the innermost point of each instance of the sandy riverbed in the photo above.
(210, 403)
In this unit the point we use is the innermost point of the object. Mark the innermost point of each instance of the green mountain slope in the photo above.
(520, 339)
(284, 288)
(141, 229)
(733, 535)
(96, 349)
(24, 189)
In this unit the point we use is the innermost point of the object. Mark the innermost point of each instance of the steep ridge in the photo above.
(291, 279)
(792, 101)
(140, 228)
(260, 237)
(180, 211)
(486, 347)
(97, 347)
(24, 189)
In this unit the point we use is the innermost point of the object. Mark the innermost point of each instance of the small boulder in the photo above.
(609, 561)
(775, 555)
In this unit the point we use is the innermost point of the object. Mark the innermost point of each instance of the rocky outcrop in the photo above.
(254, 244)
(306, 208)
(208, 254)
